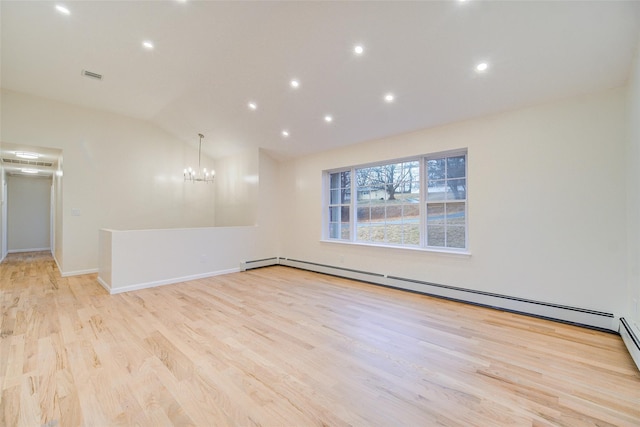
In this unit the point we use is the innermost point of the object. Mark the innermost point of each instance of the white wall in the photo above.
(28, 213)
(237, 189)
(119, 173)
(269, 208)
(632, 309)
(546, 204)
(3, 207)
(58, 202)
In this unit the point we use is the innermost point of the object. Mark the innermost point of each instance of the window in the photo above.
(389, 208)
(446, 202)
(339, 205)
(388, 203)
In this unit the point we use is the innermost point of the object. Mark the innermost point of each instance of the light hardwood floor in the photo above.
(284, 347)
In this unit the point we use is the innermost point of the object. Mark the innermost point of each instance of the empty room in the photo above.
(320, 213)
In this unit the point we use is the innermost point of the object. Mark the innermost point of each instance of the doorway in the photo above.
(31, 194)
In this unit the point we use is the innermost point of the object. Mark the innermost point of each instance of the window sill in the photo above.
(404, 248)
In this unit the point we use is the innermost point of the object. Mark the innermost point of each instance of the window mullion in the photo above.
(353, 205)
(424, 182)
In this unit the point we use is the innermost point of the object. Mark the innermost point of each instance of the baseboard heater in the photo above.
(631, 340)
(258, 263)
(561, 313)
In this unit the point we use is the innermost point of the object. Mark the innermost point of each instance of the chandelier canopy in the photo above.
(199, 175)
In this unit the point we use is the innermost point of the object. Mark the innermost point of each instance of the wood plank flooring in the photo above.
(284, 347)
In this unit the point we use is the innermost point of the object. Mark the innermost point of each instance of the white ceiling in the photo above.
(212, 58)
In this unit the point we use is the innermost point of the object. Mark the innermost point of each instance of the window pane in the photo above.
(394, 212)
(456, 167)
(334, 230)
(435, 235)
(335, 196)
(377, 213)
(436, 190)
(412, 211)
(335, 180)
(394, 234)
(412, 234)
(344, 232)
(455, 214)
(334, 214)
(414, 191)
(364, 214)
(364, 177)
(455, 236)
(456, 189)
(378, 193)
(364, 195)
(435, 169)
(344, 212)
(377, 234)
(362, 232)
(435, 214)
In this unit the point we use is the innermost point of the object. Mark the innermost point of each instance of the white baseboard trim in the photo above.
(57, 264)
(77, 272)
(73, 273)
(163, 282)
(18, 251)
(630, 334)
(562, 313)
(104, 284)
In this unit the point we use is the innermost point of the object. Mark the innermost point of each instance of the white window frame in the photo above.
(444, 155)
(422, 161)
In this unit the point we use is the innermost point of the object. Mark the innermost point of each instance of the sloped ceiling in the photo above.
(210, 59)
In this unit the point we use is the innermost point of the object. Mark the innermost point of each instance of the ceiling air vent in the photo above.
(91, 74)
(27, 162)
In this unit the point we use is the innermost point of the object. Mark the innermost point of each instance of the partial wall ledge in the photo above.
(137, 259)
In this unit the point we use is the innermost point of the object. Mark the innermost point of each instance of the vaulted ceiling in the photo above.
(211, 59)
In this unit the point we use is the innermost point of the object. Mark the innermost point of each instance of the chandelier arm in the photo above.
(200, 152)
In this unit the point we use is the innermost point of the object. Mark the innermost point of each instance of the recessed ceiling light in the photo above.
(295, 84)
(25, 170)
(147, 45)
(285, 133)
(481, 67)
(328, 118)
(27, 155)
(253, 105)
(63, 10)
(389, 97)
(358, 49)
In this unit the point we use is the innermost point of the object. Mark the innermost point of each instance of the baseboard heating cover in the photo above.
(258, 263)
(573, 315)
(631, 340)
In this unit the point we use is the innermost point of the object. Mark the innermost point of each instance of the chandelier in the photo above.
(199, 175)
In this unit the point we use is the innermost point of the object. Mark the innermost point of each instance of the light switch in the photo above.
(75, 212)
